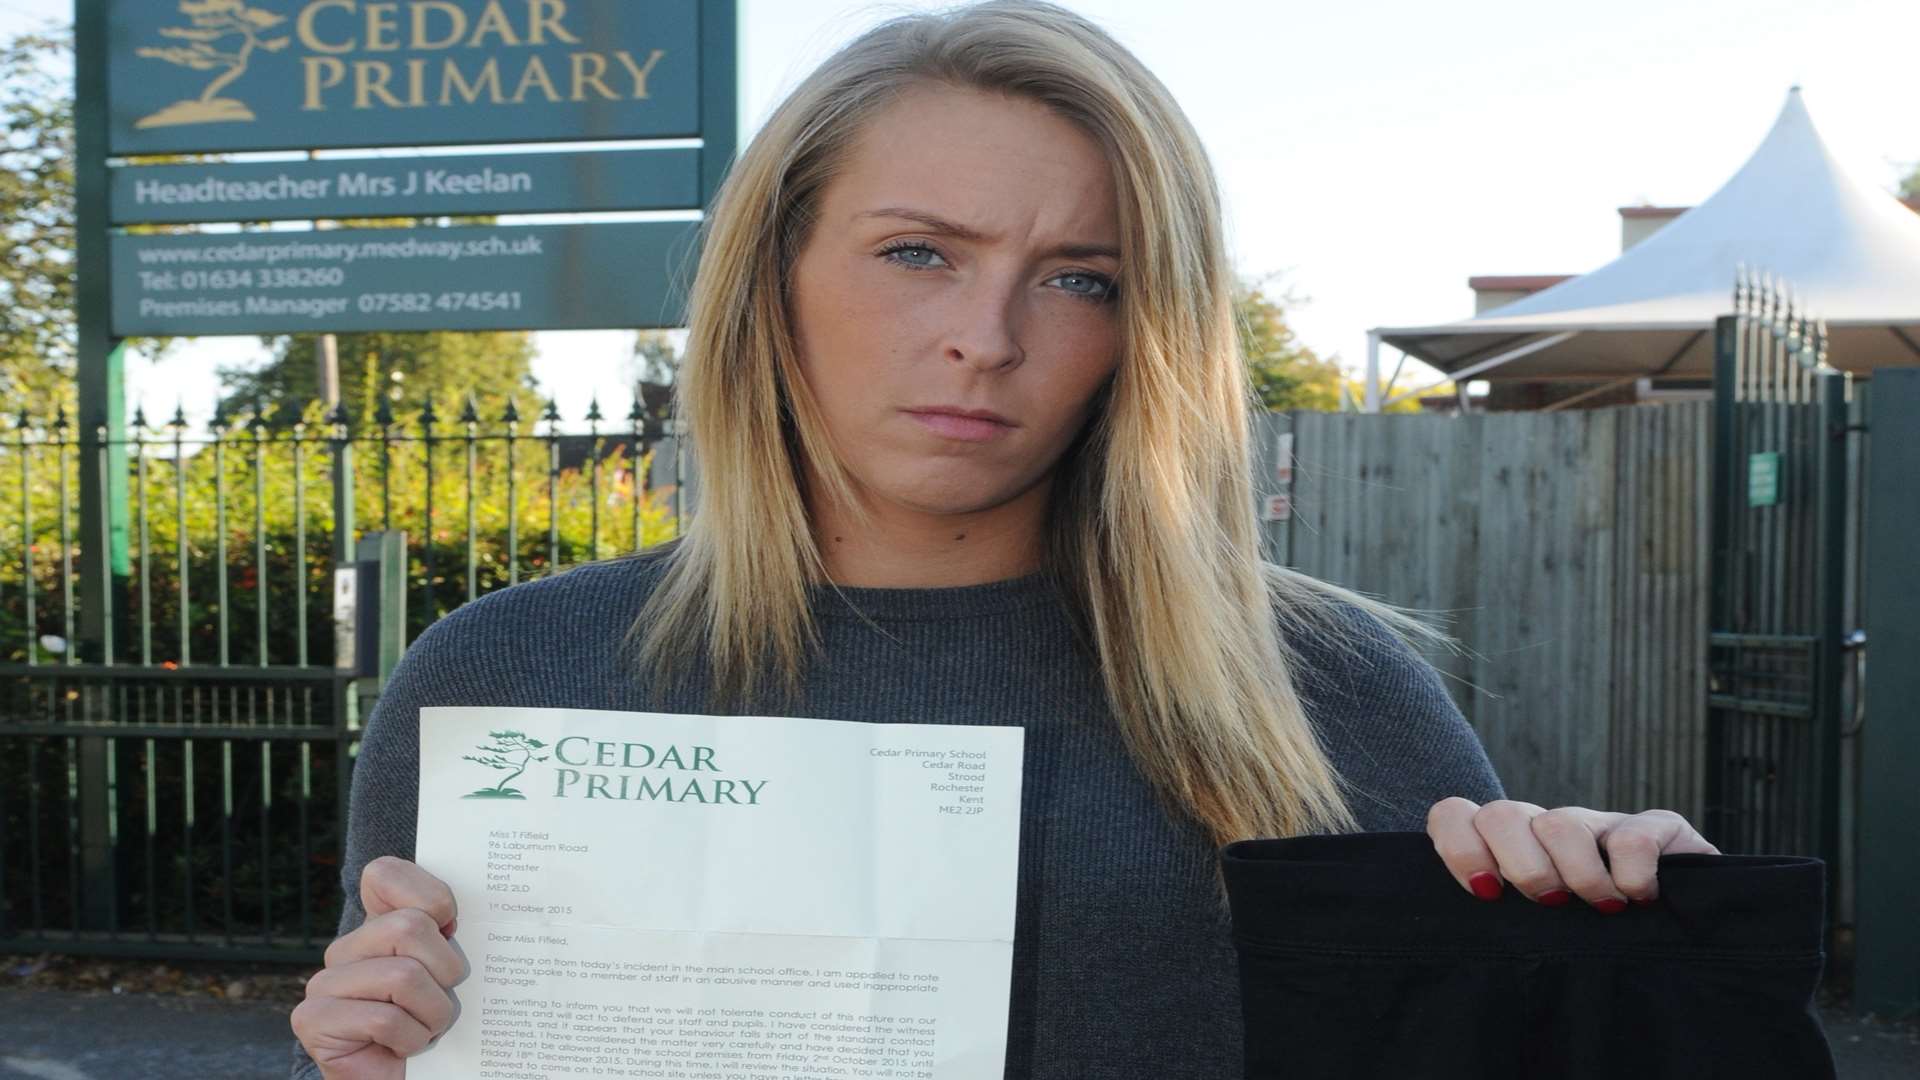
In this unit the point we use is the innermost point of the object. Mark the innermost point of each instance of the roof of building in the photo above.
(1515, 282)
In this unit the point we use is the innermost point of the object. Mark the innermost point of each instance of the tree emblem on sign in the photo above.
(510, 750)
(214, 22)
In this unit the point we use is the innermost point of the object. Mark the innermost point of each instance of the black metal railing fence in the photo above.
(174, 783)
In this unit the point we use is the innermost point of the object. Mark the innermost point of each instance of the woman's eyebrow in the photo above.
(937, 224)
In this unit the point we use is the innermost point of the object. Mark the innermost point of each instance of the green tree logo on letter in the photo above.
(510, 750)
(213, 21)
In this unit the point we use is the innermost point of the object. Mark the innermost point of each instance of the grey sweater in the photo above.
(1123, 967)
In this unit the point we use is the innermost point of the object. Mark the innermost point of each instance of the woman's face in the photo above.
(954, 300)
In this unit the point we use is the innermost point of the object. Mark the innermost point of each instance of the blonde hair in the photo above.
(1151, 533)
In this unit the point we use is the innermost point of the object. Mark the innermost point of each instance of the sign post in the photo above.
(100, 374)
(99, 362)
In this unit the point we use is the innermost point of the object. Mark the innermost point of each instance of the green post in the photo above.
(343, 506)
(104, 568)
(100, 365)
(1829, 590)
(346, 697)
(1887, 884)
(1721, 498)
(385, 553)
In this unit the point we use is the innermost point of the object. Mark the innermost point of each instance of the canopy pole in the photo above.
(1460, 377)
(1372, 404)
(1568, 403)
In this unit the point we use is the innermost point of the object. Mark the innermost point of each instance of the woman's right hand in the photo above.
(382, 996)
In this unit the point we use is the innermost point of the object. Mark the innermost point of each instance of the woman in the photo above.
(973, 432)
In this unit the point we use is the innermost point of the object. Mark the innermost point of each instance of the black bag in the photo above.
(1360, 956)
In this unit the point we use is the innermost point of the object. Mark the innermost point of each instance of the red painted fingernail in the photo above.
(1612, 905)
(447, 930)
(1554, 898)
(1486, 886)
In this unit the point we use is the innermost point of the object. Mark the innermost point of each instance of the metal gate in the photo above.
(1788, 449)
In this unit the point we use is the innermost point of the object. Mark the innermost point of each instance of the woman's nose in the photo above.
(985, 332)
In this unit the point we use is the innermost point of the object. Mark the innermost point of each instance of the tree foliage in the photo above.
(1286, 373)
(38, 323)
(445, 368)
(37, 341)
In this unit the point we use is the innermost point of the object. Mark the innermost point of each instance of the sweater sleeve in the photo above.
(1381, 711)
(438, 668)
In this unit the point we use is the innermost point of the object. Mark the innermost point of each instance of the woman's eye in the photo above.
(1090, 286)
(916, 256)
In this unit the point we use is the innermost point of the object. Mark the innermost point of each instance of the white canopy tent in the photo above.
(1849, 251)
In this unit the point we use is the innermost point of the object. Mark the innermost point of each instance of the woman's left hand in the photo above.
(1553, 855)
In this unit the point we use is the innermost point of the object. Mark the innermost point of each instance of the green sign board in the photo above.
(215, 75)
(1763, 479)
(560, 277)
(414, 186)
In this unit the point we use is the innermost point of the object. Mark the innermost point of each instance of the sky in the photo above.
(1373, 155)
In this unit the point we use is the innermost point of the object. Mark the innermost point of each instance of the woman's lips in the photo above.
(960, 428)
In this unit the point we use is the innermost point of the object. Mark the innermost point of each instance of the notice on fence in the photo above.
(755, 898)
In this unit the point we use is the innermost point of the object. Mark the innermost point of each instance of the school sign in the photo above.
(209, 77)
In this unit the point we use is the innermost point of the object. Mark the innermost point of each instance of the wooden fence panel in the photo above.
(1566, 551)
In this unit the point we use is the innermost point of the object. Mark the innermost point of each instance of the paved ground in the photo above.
(1866, 1048)
(68, 1035)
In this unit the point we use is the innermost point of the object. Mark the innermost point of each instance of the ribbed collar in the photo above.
(931, 605)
